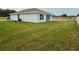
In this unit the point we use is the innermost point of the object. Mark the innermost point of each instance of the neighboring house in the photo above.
(77, 19)
(31, 15)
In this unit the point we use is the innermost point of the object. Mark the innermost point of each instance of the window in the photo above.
(41, 17)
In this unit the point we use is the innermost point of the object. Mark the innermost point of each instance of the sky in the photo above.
(60, 11)
(57, 11)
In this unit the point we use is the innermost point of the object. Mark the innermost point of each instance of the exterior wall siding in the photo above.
(43, 20)
(35, 18)
(14, 17)
(51, 18)
(29, 17)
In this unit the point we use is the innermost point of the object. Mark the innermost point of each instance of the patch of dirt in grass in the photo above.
(74, 41)
(75, 35)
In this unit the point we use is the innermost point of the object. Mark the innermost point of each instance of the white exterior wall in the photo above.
(29, 17)
(51, 18)
(32, 18)
(44, 20)
(14, 17)
(35, 18)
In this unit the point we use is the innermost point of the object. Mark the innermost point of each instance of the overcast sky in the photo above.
(60, 11)
(57, 11)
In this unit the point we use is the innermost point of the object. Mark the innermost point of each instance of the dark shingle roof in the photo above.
(32, 11)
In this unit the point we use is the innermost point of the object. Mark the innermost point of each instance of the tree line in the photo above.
(65, 15)
(6, 12)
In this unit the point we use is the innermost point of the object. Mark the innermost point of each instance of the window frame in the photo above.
(41, 16)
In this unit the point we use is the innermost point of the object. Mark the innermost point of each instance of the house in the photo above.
(77, 19)
(31, 15)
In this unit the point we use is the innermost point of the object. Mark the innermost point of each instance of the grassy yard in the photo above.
(55, 35)
(3, 18)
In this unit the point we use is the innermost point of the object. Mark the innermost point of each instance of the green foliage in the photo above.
(77, 14)
(64, 15)
(5, 13)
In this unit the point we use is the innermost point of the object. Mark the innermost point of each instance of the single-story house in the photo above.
(77, 19)
(31, 15)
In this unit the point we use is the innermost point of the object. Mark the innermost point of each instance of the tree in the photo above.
(6, 12)
(77, 14)
(53, 15)
(64, 15)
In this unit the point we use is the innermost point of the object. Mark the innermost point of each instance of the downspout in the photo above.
(19, 18)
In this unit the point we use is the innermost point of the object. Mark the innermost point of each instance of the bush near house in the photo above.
(55, 35)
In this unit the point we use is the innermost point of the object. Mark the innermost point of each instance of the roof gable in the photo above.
(32, 11)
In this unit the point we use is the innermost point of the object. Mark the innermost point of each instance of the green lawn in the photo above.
(55, 35)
